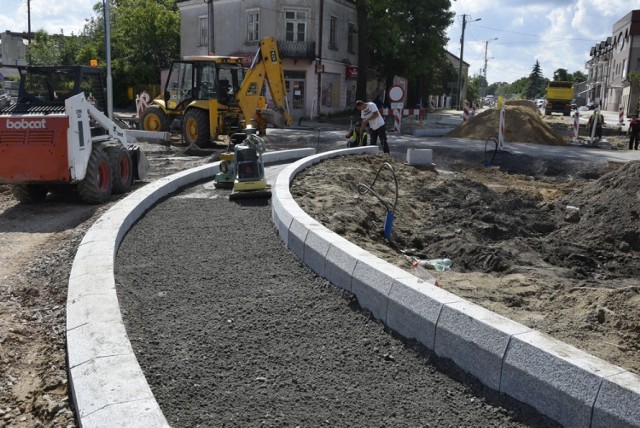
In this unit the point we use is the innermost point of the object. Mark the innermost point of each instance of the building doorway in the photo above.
(295, 82)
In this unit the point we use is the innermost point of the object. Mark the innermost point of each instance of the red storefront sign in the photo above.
(352, 72)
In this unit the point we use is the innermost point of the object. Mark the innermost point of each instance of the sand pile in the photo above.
(523, 125)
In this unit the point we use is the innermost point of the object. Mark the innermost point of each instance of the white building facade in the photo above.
(612, 61)
(319, 61)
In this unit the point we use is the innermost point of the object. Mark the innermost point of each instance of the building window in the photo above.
(624, 68)
(351, 38)
(253, 24)
(333, 23)
(638, 64)
(295, 22)
(204, 33)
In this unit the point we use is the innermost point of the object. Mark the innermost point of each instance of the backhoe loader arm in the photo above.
(267, 65)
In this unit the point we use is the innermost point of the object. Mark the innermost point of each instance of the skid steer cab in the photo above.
(213, 95)
(55, 137)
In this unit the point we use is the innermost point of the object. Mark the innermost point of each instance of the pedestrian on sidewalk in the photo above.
(634, 132)
(371, 115)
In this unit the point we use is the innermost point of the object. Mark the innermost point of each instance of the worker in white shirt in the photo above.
(370, 114)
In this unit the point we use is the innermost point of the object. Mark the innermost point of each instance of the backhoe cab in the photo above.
(216, 95)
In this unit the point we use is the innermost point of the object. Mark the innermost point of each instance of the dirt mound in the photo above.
(540, 244)
(522, 125)
(522, 103)
(606, 212)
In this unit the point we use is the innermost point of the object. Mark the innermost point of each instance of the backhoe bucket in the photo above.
(273, 117)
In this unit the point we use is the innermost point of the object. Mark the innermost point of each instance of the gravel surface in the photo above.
(232, 330)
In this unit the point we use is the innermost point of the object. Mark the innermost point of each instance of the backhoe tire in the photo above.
(195, 128)
(29, 193)
(153, 118)
(95, 188)
(121, 169)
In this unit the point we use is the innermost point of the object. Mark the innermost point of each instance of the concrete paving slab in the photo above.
(372, 282)
(113, 392)
(414, 308)
(98, 340)
(475, 339)
(557, 379)
(618, 402)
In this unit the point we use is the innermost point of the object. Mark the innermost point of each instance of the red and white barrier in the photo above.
(398, 113)
(142, 102)
(405, 112)
(465, 112)
(433, 103)
(576, 125)
(397, 119)
(501, 129)
(621, 116)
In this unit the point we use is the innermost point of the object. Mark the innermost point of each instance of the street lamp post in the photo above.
(486, 46)
(464, 25)
(484, 70)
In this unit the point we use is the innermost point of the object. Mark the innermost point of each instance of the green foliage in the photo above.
(407, 38)
(145, 37)
(475, 87)
(537, 83)
(578, 76)
(561, 74)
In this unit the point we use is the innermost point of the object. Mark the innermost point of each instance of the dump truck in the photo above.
(56, 137)
(213, 95)
(559, 95)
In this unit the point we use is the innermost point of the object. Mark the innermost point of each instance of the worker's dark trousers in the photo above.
(632, 138)
(382, 133)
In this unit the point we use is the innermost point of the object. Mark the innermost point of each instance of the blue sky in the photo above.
(557, 33)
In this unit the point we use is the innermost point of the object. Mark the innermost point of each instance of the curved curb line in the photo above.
(106, 382)
(568, 385)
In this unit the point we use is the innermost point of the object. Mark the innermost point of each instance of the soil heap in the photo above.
(523, 124)
(552, 244)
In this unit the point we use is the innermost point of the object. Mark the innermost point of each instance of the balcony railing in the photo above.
(297, 49)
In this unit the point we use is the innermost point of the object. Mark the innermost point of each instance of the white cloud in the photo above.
(557, 33)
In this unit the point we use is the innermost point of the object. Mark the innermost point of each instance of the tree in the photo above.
(520, 86)
(537, 83)
(145, 37)
(409, 41)
(476, 85)
(561, 74)
(578, 76)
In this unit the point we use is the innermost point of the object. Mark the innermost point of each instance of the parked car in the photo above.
(592, 105)
(540, 102)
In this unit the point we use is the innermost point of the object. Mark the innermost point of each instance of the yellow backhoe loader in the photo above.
(215, 95)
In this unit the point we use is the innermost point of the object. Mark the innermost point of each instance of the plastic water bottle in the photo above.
(441, 265)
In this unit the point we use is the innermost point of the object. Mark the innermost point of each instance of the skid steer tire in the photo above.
(195, 128)
(153, 118)
(95, 188)
(121, 169)
(29, 193)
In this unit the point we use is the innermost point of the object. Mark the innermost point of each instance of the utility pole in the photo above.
(464, 25)
(319, 66)
(107, 42)
(210, 33)
(29, 30)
